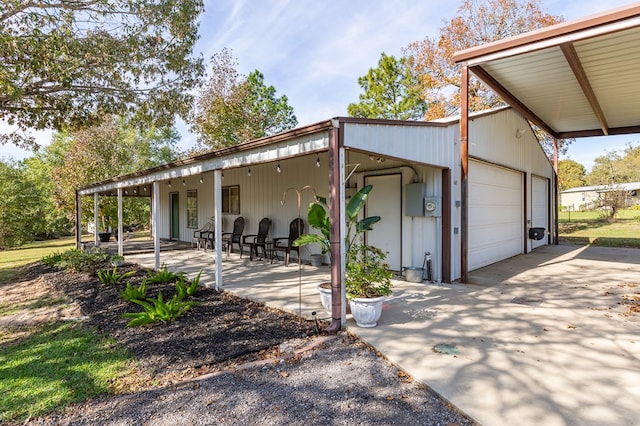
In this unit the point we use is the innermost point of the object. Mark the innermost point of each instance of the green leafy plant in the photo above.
(368, 273)
(112, 277)
(78, 260)
(52, 259)
(157, 310)
(318, 218)
(162, 276)
(131, 293)
(184, 290)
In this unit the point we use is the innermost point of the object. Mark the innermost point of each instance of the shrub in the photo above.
(81, 260)
(157, 310)
(131, 293)
(111, 276)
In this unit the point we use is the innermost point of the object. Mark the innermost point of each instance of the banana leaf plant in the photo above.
(318, 218)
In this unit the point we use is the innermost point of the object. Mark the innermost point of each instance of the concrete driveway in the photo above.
(547, 338)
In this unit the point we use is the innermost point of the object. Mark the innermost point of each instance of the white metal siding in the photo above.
(539, 208)
(495, 214)
(260, 196)
(419, 234)
(420, 144)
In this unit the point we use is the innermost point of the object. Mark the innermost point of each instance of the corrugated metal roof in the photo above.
(630, 186)
(577, 78)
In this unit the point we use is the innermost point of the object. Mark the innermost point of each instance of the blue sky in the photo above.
(314, 51)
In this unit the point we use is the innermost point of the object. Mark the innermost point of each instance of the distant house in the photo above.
(586, 197)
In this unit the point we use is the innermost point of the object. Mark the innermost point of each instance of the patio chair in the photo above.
(258, 240)
(200, 235)
(234, 237)
(285, 244)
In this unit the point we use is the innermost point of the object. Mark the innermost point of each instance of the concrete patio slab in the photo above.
(545, 338)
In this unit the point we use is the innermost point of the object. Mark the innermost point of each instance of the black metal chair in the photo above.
(285, 244)
(235, 237)
(258, 240)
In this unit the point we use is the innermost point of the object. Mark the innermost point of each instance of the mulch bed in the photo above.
(218, 331)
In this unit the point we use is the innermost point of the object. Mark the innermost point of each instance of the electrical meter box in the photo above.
(433, 206)
(414, 199)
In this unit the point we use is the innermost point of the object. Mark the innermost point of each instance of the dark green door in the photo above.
(175, 216)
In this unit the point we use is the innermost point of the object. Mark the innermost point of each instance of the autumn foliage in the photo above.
(477, 22)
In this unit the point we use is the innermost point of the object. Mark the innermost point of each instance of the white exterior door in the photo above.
(539, 208)
(385, 200)
(495, 214)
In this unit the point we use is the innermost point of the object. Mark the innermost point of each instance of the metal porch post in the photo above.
(464, 174)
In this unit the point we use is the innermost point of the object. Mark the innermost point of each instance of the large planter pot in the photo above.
(316, 260)
(325, 296)
(104, 237)
(366, 311)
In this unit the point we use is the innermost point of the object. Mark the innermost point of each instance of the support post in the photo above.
(96, 199)
(556, 197)
(78, 221)
(336, 237)
(120, 239)
(155, 210)
(464, 174)
(217, 202)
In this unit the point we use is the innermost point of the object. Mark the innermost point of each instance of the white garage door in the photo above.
(539, 208)
(495, 214)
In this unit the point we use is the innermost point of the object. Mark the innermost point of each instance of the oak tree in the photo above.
(476, 22)
(571, 174)
(113, 148)
(67, 64)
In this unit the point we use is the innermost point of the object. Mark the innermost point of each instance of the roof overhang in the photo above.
(574, 79)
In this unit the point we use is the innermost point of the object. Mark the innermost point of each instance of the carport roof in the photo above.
(574, 79)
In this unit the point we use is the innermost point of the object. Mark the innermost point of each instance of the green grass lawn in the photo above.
(56, 365)
(591, 227)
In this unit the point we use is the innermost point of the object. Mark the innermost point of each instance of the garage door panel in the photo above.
(495, 214)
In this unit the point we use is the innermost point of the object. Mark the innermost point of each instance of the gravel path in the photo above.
(339, 382)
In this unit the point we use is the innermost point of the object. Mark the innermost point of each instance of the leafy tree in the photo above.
(67, 64)
(616, 167)
(570, 174)
(476, 22)
(232, 109)
(114, 147)
(390, 91)
(18, 207)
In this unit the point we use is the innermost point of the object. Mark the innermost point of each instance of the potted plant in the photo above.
(368, 282)
(318, 218)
